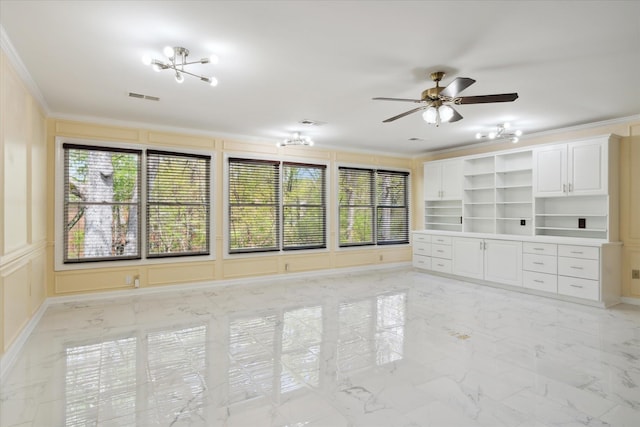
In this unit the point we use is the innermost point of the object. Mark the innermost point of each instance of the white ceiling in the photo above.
(571, 62)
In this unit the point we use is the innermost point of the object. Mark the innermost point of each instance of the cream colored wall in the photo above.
(24, 201)
(113, 277)
(629, 178)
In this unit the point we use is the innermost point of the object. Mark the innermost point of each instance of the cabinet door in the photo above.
(432, 181)
(587, 162)
(468, 256)
(452, 180)
(550, 171)
(503, 262)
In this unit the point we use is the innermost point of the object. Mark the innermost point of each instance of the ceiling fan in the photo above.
(435, 101)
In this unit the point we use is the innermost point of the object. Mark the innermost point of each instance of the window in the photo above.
(101, 203)
(103, 214)
(177, 204)
(267, 216)
(373, 207)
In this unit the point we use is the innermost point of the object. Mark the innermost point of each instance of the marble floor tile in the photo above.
(385, 348)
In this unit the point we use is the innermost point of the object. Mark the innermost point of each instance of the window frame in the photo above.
(281, 160)
(375, 244)
(59, 194)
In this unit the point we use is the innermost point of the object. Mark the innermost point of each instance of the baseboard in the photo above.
(9, 357)
(632, 301)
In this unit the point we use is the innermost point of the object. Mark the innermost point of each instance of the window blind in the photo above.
(254, 205)
(392, 210)
(101, 203)
(178, 204)
(304, 206)
(356, 206)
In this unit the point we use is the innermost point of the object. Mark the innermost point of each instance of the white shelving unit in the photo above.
(443, 215)
(479, 195)
(514, 193)
(578, 216)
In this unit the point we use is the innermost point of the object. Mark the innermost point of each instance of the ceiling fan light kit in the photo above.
(436, 100)
(177, 61)
(502, 132)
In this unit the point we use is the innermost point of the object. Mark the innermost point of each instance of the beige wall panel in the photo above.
(356, 158)
(16, 302)
(401, 254)
(38, 280)
(16, 144)
(304, 152)
(92, 280)
(39, 176)
(631, 260)
(633, 195)
(256, 266)
(309, 262)
(93, 131)
(180, 273)
(177, 140)
(252, 148)
(356, 258)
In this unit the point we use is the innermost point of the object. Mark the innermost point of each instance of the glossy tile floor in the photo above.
(387, 348)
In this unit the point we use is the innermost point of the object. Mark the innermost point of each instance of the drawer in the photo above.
(539, 248)
(421, 248)
(442, 240)
(540, 263)
(423, 262)
(540, 281)
(421, 238)
(587, 252)
(440, 251)
(441, 265)
(580, 288)
(578, 267)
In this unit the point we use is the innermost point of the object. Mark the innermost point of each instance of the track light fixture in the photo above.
(502, 132)
(296, 139)
(177, 61)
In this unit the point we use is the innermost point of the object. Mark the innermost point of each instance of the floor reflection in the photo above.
(394, 348)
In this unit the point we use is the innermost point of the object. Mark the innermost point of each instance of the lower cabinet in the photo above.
(589, 272)
(497, 261)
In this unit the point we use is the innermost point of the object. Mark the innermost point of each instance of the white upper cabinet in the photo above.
(573, 169)
(443, 180)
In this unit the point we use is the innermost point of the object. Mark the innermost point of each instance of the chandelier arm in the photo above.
(191, 74)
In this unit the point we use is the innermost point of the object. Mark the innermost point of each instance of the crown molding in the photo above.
(23, 73)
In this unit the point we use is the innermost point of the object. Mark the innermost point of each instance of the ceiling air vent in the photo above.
(141, 96)
(308, 122)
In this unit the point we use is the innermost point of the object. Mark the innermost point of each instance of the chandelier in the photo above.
(296, 139)
(502, 132)
(177, 61)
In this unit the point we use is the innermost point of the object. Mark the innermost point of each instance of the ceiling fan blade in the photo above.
(406, 113)
(483, 99)
(456, 116)
(397, 99)
(457, 86)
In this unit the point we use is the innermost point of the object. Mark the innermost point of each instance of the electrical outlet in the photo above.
(635, 274)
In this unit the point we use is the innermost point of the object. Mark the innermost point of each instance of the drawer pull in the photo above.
(439, 250)
(538, 249)
(538, 281)
(577, 268)
(539, 263)
(440, 265)
(577, 252)
(576, 286)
